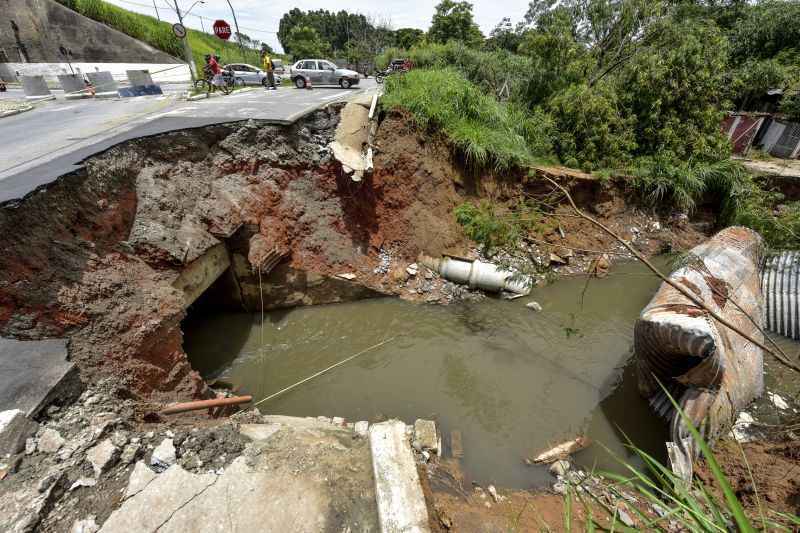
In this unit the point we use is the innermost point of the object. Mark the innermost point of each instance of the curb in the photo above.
(13, 112)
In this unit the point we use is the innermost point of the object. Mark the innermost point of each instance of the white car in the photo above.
(322, 72)
(244, 74)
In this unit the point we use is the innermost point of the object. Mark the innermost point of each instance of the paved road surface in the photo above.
(52, 140)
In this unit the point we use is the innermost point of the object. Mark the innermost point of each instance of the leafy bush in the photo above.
(485, 131)
(592, 132)
(482, 225)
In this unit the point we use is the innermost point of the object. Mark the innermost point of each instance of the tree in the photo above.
(453, 21)
(335, 29)
(504, 37)
(304, 41)
(408, 37)
(267, 49)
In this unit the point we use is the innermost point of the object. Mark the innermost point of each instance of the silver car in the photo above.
(322, 72)
(244, 74)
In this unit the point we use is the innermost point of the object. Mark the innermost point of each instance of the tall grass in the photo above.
(689, 505)
(159, 34)
(487, 132)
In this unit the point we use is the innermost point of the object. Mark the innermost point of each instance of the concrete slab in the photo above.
(15, 428)
(401, 503)
(31, 372)
(308, 476)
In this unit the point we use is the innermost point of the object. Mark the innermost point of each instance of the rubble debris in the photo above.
(163, 456)
(560, 467)
(361, 428)
(87, 525)
(349, 276)
(479, 275)
(412, 269)
(456, 444)
(563, 450)
(83, 482)
(742, 430)
(15, 431)
(777, 401)
(50, 441)
(426, 434)
(535, 306)
(493, 492)
(102, 456)
(711, 371)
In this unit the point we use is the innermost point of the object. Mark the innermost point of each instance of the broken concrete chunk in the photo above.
(30, 446)
(535, 306)
(83, 482)
(163, 456)
(425, 433)
(257, 432)
(361, 428)
(777, 401)
(398, 493)
(102, 456)
(15, 429)
(129, 453)
(51, 441)
(141, 476)
(412, 269)
(349, 276)
(560, 467)
(87, 525)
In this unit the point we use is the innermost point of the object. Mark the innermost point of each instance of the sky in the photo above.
(259, 18)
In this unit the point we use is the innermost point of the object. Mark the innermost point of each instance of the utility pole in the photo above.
(187, 50)
(202, 26)
(156, 8)
(238, 33)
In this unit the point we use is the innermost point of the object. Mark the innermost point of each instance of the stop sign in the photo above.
(222, 29)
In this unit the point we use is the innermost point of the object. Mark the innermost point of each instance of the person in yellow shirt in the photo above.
(269, 68)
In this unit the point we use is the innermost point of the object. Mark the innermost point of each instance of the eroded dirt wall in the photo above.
(93, 256)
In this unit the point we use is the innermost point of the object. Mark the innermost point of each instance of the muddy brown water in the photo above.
(511, 380)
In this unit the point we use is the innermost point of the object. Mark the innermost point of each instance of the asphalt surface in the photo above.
(53, 139)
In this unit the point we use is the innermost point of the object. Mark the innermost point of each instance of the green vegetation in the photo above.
(689, 504)
(485, 131)
(633, 88)
(159, 34)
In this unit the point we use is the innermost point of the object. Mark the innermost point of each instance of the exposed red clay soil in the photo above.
(773, 477)
(93, 257)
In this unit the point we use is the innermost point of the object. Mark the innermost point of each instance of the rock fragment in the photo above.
(15, 429)
(426, 435)
(163, 456)
(102, 456)
(51, 441)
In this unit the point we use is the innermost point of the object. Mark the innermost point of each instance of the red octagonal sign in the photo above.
(222, 29)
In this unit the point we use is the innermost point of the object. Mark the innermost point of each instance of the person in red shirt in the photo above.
(216, 71)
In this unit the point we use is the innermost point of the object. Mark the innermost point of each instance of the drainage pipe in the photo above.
(478, 275)
(780, 285)
(204, 404)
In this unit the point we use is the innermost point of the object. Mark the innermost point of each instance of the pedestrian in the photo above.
(269, 68)
(216, 71)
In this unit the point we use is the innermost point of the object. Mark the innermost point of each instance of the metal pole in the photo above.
(238, 33)
(202, 26)
(156, 8)
(187, 50)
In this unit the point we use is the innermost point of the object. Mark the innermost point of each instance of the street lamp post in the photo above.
(238, 33)
(187, 49)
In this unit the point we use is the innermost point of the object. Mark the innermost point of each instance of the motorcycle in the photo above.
(397, 66)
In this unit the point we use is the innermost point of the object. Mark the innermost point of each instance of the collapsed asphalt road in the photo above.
(57, 136)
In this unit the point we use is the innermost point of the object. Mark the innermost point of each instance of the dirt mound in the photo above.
(761, 474)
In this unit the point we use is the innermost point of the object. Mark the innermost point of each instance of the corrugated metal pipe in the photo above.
(780, 285)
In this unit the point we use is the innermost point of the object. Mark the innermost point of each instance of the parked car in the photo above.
(322, 72)
(244, 74)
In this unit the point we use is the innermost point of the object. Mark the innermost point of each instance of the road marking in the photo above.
(337, 95)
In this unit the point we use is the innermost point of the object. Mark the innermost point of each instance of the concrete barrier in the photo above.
(141, 84)
(36, 88)
(73, 85)
(104, 83)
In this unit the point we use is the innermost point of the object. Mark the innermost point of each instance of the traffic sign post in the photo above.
(179, 30)
(222, 30)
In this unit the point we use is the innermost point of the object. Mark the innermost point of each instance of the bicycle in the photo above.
(206, 85)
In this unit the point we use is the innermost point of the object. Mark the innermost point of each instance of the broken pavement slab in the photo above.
(297, 474)
(401, 503)
(32, 372)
